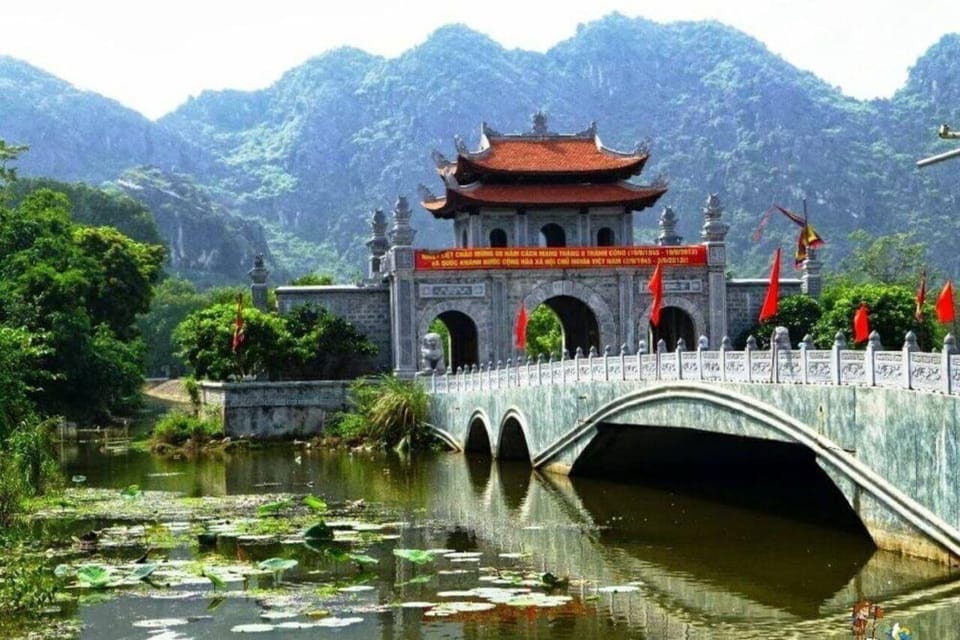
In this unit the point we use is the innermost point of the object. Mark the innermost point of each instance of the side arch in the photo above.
(694, 311)
(681, 404)
(513, 443)
(474, 439)
(601, 310)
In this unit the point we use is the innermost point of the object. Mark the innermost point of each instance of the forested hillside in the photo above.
(310, 156)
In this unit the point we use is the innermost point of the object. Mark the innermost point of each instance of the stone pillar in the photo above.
(402, 293)
(713, 234)
(258, 278)
(811, 282)
(627, 321)
(377, 244)
(668, 229)
(474, 232)
(583, 229)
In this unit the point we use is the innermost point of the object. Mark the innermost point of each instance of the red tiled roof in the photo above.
(545, 195)
(548, 155)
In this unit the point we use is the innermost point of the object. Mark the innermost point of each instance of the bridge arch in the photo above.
(478, 433)
(569, 294)
(513, 437)
(720, 410)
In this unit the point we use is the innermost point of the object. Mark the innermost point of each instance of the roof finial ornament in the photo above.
(643, 147)
(661, 181)
(460, 144)
(540, 123)
(425, 194)
(439, 159)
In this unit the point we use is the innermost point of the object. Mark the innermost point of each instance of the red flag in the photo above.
(921, 296)
(945, 308)
(769, 308)
(238, 334)
(861, 324)
(655, 287)
(520, 331)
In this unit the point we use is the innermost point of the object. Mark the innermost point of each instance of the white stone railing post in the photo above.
(839, 344)
(563, 367)
(661, 349)
(869, 363)
(909, 346)
(606, 363)
(681, 347)
(949, 349)
(641, 351)
(750, 347)
(702, 345)
(724, 347)
(577, 355)
(623, 362)
(806, 346)
(540, 370)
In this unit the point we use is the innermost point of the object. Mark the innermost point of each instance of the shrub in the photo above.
(176, 428)
(388, 411)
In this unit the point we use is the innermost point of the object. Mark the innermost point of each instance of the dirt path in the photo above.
(171, 390)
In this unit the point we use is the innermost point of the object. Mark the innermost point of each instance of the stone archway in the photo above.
(689, 309)
(467, 326)
(565, 292)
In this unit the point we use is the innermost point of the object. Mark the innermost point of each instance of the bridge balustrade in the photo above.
(906, 368)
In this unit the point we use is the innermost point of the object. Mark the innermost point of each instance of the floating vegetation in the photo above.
(416, 556)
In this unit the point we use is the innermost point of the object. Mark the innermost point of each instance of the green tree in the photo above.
(544, 333)
(892, 259)
(313, 280)
(173, 300)
(324, 346)
(891, 311)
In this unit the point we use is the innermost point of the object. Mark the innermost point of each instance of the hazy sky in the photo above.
(152, 56)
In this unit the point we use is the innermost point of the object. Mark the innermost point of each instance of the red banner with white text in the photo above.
(559, 257)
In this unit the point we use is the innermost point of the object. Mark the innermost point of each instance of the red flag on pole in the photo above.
(945, 309)
(655, 287)
(520, 331)
(238, 334)
(921, 296)
(769, 308)
(861, 324)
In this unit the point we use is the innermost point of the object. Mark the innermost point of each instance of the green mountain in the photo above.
(311, 155)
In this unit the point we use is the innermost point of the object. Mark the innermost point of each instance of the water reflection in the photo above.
(703, 569)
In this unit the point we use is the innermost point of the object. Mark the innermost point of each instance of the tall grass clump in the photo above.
(387, 411)
(178, 429)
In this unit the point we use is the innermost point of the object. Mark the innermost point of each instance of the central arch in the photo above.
(585, 315)
(675, 323)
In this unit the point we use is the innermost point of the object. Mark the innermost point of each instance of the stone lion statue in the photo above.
(431, 353)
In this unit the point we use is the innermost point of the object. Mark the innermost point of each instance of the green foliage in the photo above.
(544, 333)
(388, 411)
(173, 300)
(307, 344)
(416, 556)
(799, 314)
(75, 291)
(313, 279)
(28, 587)
(891, 313)
(176, 428)
(897, 258)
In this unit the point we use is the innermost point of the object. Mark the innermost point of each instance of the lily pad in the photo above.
(318, 531)
(131, 491)
(141, 571)
(65, 571)
(315, 503)
(278, 615)
(361, 559)
(253, 628)
(273, 508)
(622, 588)
(95, 576)
(277, 564)
(296, 625)
(336, 622)
(78, 479)
(160, 623)
(416, 556)
(357, 588)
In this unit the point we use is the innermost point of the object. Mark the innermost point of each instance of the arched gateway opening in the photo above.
(675, 323)
(459, 336)
(577, 322)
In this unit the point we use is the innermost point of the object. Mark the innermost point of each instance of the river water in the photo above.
(685, 566)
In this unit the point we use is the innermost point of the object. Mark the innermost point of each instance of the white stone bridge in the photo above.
(884, 426)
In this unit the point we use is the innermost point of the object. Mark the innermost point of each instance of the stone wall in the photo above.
(275, 409)
(367, 308)
(744, 299)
